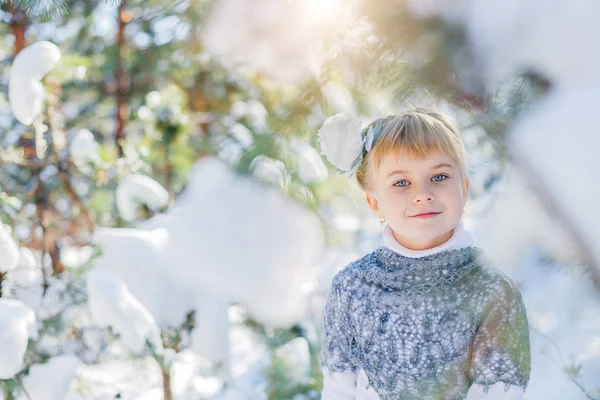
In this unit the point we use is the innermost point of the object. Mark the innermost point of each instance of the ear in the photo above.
(373, 203)
(466, 189)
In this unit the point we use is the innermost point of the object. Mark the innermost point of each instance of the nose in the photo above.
(423, 196)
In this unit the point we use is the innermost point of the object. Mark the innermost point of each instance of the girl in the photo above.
(423, 316)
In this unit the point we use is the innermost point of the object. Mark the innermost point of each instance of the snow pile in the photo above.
(269, 170)
(112, 304)
(18, 324)
(233, 146)
(186, 256)
(311, 168)
(137, 257)
(510, 37)
(25, 92)
(136, 190)
(83, 146)
(210, 336)
(9, 250)
(275, 243)
(559, 143)
(564, 328)
(518, 219)
(556, 142)
(252, 110)
(25, 283)
(296, 356)
(51, 381)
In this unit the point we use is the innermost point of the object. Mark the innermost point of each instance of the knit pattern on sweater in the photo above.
(426, 328)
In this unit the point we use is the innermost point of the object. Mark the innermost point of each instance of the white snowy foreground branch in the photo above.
(559, 143)
(9, 250)
(25, 92)
(17, 325)
(245, 241)
(51, 380)
(227, 234)
(112, 304)
(229, 239)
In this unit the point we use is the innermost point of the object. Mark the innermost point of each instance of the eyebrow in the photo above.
(442, 165)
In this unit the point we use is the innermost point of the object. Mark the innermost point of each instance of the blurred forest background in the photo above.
(169, 228)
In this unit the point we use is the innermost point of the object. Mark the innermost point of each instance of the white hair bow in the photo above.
(344, 143)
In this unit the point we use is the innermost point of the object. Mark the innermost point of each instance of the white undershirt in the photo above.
(459, 239)
(352, 385)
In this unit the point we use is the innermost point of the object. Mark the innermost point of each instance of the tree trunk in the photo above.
(122, 79)
(166, 377)
(17, 24)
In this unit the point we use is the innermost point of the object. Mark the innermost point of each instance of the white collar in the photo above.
(459, 239)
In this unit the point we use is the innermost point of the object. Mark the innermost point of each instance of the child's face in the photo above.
(402, 187)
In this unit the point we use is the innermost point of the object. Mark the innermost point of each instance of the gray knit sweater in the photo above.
(426, 328)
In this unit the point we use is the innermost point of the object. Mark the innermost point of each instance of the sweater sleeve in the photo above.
(497, 391)
(339, 373)
(500, 352)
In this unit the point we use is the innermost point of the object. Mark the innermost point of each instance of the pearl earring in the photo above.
(381, 219)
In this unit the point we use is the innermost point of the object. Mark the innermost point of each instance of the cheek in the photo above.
(395, 201)
(453, 196)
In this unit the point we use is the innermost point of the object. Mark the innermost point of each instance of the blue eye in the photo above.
(444, 177)
(401, 182)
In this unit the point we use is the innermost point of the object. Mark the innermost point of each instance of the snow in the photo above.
(51, 380)
(25, 282)
(191, 376)
(132, 379)
(83, 146)
(558, 143)
(9, 250)
(238, 140)
(511, 37)
(131, 252)
(269, 170)
(296, 356)
(153, 99)
(74, 257)
(210, 336)
(311, 168)
(242, 135)
(112, 304)
(187, 251)
(257, 114)
(518, 219)
(18, 324)
(25, 91)
(187, 264)
(564, 327)
(276, 241)
(135, 190)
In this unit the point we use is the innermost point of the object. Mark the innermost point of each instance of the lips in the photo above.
(426, 214)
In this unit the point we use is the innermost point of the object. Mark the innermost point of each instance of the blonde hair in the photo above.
(417, 132)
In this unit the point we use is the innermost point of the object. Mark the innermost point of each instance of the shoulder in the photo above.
(494, 281)
(350, 276)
